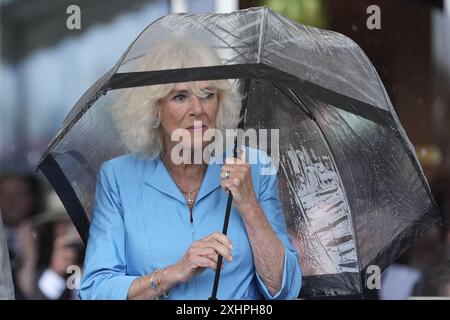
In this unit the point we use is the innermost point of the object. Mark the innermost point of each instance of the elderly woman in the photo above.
(156, 221)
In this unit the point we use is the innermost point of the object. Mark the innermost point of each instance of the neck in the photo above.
(184, 171)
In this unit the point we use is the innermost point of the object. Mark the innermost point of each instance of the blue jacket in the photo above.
(141, 223)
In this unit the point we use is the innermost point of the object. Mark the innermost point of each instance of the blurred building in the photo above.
(45, 67)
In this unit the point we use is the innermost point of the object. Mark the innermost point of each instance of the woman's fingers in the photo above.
(237, 179)
(237, 173)
(204, 254)
(207, 252)
(214, 257)
(208, 259)
(235, 167)
(234, 174)
(240, 160)
(220, 237)
(202, 262)
(232, 182)
(218, 242)
(221, 249)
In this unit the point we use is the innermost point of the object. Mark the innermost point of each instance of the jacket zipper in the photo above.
(191, 220)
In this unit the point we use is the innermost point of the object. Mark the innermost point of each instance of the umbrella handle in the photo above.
(224, 231)
(220, 258)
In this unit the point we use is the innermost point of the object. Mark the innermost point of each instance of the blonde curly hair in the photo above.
(138, 108)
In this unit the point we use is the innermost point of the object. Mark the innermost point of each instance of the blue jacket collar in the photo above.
(161, 180)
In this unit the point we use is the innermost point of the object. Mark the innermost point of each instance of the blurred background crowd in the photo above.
(45, 68)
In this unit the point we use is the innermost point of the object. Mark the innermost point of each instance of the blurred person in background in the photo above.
(421, 268)
(441, 190)
(435, 282)
(399, 281)
(42, 243)
(21, 197)
(59, 248)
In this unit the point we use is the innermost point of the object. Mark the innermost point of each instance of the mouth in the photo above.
(196, 128)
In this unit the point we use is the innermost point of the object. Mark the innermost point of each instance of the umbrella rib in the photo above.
(336, 99)
(295, 100)
(227, 33)
(222, 39)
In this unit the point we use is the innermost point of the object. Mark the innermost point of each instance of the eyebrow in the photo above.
(179, 91)
(208, 89)
(184, 91)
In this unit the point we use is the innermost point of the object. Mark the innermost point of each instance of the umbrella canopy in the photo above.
(6, 282)
(351, 186)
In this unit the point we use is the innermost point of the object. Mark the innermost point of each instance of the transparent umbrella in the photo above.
(351, 186)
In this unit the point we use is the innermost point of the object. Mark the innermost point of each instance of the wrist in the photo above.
(170, 277)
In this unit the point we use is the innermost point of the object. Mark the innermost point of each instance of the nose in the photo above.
(195, 106)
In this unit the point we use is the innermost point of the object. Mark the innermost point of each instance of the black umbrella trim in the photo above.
(257, 71)
(342, 285)
(65, 192)
(237, 71)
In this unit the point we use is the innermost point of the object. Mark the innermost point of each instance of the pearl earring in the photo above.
(156, 123)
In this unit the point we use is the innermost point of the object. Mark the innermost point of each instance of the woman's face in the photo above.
(182, 107)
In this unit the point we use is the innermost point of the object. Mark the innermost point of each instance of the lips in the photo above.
(196, 128)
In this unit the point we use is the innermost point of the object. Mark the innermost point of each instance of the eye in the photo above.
(209, 95)
(180, 98)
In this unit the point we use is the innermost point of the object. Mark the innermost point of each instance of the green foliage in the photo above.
(309, 12)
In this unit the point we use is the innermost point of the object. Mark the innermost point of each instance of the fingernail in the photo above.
(231, 246)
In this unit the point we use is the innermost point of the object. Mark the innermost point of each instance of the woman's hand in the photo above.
(203, 254)
(239, 182)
